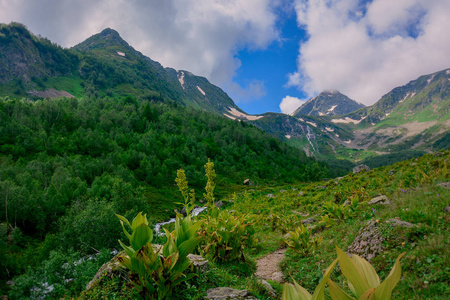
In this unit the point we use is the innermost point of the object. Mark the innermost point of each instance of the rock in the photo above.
(247, 181)
(10, 283)
(339, 178)
(282, 191)
(439, 154)
(360, 168)
(199, 262)
(219, 204)
(392, 172)
(227, 293)
(271, 196)
(111, 269)
(445, 185)
(268, 287)
(322, 187)
(413, 164)
(347, 203)
(380, 200)
(447, 209)
(251, 190)
(309, 220)
(396, 222)
(300, 193)
(368, 242)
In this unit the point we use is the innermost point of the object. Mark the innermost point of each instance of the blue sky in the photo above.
(268, 55)
(271, 67)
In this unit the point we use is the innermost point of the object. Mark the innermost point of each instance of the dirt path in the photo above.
(268, 267)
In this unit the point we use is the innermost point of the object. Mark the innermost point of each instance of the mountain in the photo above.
(328, 103)
(413, 116)
(103, 65)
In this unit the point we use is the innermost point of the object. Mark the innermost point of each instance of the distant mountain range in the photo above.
(413, 116)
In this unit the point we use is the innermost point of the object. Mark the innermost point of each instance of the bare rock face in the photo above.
(445, 185)
(227, 293)
(360, 168)
(368, 242)
(380, 200)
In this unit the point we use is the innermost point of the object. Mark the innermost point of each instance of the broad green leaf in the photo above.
(369, 272)
(139, 219)
(353, 274)
(384, 290)
(188, 246)
(125, 231)
(291, 292)
(123, 219)
(319, 291)
(337, 293)
(141, 235)
(128, 250)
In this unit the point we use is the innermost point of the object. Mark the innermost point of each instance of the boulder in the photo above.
(199, 262)
(447, 208)
(360, 168)
(282, 191)
(227, 293)
(247, 181)
(268, 287)
(392, 172)
(368, 242)
(439, 154)
(397, 222)
(111, 269)
(271, 196)
(380, 200)
(300, 193)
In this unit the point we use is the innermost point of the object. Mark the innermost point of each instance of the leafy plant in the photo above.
(301, 241)
(227, 235)
(362, 278)
(158, 272)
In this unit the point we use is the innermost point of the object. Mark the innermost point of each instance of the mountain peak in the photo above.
(106, 38)
(328, 103)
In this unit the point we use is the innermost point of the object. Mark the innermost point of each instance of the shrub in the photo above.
(158, 273)
(301, 241)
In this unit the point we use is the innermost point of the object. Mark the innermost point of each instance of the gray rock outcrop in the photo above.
(368, 242)
(360, 168)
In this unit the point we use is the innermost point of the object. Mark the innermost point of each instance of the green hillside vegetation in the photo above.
(65, 160)
(417, 194)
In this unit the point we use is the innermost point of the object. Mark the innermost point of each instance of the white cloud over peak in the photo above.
(289, 104)
(364, 49)
(201, 36)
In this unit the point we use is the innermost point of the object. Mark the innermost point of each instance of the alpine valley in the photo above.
(99, 130)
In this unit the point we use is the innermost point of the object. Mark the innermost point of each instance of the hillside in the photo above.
(412, 217)
(104, 65)
(328, 103)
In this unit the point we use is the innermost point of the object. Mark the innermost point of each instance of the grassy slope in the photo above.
(417, 198)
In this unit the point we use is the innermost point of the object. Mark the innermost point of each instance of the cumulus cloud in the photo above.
(201, 36)
(289, 104)
(366, 48)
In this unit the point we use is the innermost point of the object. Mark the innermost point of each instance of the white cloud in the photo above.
(364, 49)
(289, 104)
(201, 36)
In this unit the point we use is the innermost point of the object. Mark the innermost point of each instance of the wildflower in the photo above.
(373, 210)
(378, 221)
(403, 190)
(403, 243)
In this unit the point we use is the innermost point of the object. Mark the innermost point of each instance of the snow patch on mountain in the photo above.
(233, 113)
(201, 91)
